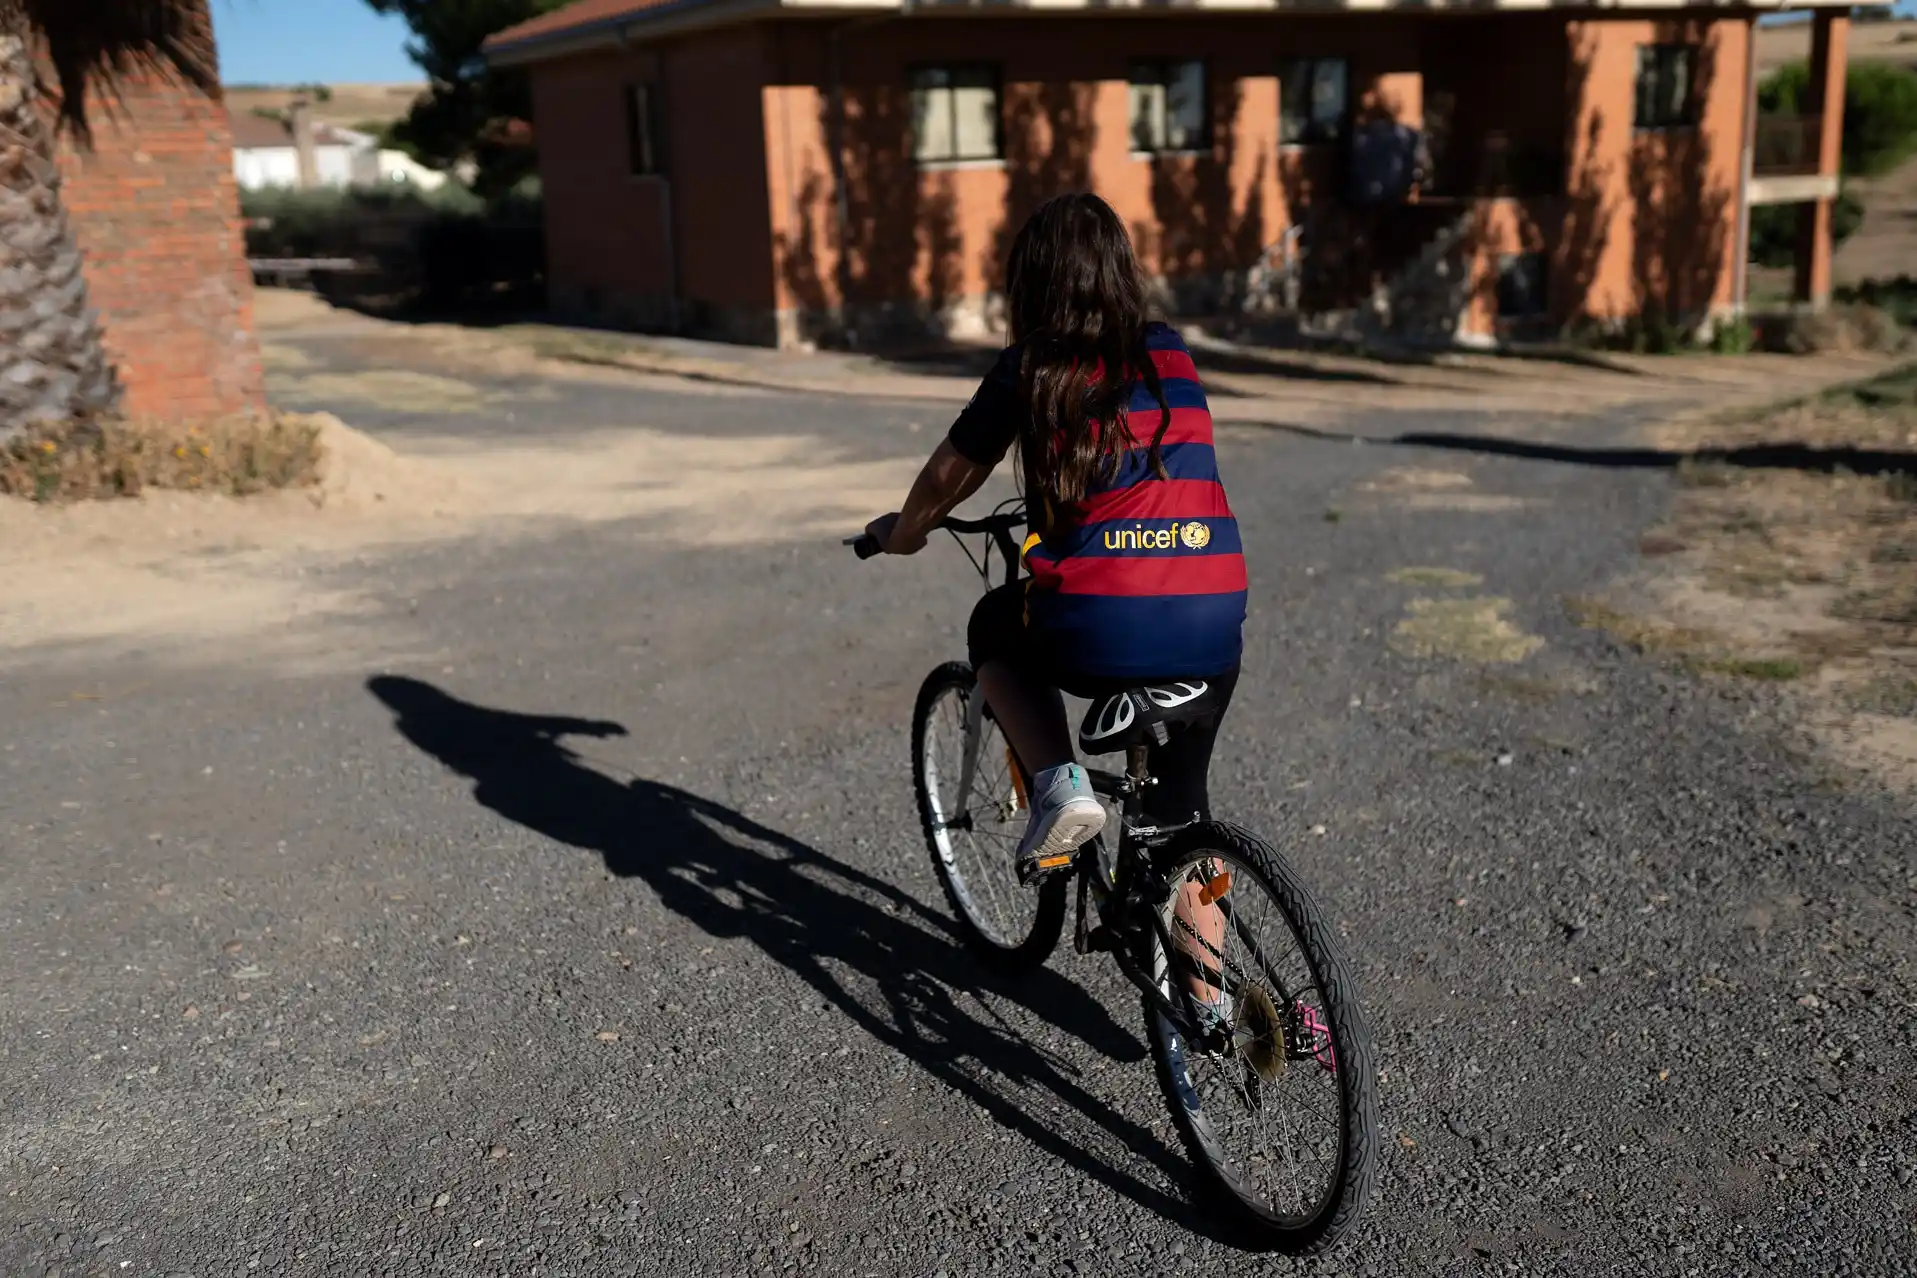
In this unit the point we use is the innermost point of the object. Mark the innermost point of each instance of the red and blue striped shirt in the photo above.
(1145, 577)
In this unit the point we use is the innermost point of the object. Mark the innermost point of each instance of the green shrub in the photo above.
(1880, 111)
(445, 248)
(1774, 228)
(1654, 332)
(1733, 337)
(119, 457)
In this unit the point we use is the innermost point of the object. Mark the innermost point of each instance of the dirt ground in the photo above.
(479, 438)
(350, 105)
(1250, 384)
(1885, 245)
(1869, 42)
(1798, 565)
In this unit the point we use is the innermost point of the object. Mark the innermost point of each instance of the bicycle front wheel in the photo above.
(1277, 1101)
(972, 803)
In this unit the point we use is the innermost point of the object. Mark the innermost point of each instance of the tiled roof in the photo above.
(574, 17)
(251, 130)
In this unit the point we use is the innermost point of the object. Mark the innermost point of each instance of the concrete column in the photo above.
(1830, 36)
(306, 155)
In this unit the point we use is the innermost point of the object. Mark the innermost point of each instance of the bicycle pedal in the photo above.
(1041, 868)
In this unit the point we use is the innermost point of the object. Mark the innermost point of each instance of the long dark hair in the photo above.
(1077, 311)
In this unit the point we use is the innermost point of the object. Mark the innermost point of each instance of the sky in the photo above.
(309, 41)
(336, 41)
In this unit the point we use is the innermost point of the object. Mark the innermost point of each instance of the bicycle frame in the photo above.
(1136, 887)
(1129, 900)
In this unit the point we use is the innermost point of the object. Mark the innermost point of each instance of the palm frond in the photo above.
(93, 45)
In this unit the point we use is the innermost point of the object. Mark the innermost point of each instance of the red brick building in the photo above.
(156, 211)
(776, 170)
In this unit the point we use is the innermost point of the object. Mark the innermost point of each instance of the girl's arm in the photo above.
(947, 479)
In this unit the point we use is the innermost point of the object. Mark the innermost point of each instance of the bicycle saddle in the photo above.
(1145, 715)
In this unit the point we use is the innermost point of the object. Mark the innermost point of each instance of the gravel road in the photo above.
(589, 931)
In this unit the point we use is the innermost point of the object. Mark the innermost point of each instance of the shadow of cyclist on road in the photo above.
(815, 915)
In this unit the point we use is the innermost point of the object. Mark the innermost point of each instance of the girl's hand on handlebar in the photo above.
(885, 531)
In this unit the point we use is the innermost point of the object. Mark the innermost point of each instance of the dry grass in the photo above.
(347, 105)
(1470, 630)
(1440, 578)
(1650, 636)
(1805, 573)
(1838, 329)
(123, 458)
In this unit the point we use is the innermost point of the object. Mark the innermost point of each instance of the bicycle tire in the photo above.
(1344, 1199)
(1024, 953)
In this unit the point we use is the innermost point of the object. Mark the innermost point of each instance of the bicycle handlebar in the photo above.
(865, 545)
(989, 524)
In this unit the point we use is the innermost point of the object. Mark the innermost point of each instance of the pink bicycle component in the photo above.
(1320, 1035)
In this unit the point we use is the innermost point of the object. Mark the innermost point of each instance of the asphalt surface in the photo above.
(600, 938)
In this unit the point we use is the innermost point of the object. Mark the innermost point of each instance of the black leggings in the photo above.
(1182, 766)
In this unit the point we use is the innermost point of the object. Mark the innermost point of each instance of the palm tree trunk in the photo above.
(53, 365)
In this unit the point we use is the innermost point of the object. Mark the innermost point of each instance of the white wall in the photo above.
(255, 167)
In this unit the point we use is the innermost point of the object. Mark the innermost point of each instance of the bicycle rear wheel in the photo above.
(1280, 1110)
(974, 834)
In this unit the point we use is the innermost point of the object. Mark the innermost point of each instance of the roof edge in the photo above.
(616, 31)
(684, 15)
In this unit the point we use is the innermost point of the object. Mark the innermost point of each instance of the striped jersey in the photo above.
(1145, 577)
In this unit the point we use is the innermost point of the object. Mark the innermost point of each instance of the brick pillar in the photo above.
(1830, 34)
(157, 214)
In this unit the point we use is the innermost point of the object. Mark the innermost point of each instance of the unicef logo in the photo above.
(1195, 536)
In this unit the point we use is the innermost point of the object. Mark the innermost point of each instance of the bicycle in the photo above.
(1231, 1028)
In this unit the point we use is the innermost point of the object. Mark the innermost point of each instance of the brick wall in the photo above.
(620, 247)
(156, 212)
(1648, 222)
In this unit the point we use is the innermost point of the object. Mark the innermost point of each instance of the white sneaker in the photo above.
(1065, 814)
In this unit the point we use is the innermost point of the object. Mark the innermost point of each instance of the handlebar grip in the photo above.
(865, 545)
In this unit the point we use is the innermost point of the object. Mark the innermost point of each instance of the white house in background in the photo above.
(266, 154)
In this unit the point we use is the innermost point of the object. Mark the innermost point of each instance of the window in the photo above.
(1664, 83)
(954, 114)
(1314, 100)
(1168, 106)
(642, 131)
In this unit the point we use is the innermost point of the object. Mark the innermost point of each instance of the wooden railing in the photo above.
(1785, 145)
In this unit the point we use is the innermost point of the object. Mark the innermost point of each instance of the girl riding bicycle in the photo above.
(1136, 572)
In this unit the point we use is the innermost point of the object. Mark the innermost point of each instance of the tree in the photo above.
(53, 363)
(470, 111)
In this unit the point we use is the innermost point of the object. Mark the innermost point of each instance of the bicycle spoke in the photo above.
(1274, 1113)
(978, 829)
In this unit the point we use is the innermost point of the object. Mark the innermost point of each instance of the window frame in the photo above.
(1311, 133)
(993, 73)
(1651, 62)
(1164, 70)
(645, 140)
